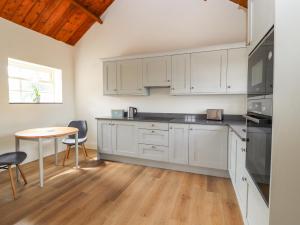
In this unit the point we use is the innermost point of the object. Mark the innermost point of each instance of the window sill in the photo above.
(32, 103)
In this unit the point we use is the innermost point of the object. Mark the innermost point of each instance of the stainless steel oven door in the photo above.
(258, 155)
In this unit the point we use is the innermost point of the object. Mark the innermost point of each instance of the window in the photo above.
(32, 83)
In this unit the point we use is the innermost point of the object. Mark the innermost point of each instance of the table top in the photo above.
(47, 132)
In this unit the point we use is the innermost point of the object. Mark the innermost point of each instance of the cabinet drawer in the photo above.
(153, 126)
(153, 152)
(153, 137)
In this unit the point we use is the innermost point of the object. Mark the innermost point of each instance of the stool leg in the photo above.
(82, 149)
(22, 174)
(12, 181)
(85, 150)
(66, 155)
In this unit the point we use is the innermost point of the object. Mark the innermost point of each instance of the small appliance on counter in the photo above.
(132, 112)
(117, 113)
(214, 114)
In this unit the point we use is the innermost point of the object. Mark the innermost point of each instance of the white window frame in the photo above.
(54, 74)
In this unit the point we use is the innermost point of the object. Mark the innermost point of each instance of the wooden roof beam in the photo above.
(242, 3)
(88, 12)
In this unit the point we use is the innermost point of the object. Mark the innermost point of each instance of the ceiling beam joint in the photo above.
(88, 12)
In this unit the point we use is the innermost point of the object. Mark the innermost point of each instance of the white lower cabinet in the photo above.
(154, 152)
(253, 208)
(179, 143)
(258, 212)
(124, 141)
(208, 146)
(104, 139)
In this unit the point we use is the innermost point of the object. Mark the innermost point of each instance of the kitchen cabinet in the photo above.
(232, 146)
(157, 71)
(153, 137)
(208, 72)
(181, 74)
(110, 86)
(178, 143)
(153, 152)
(104, 137)
(257, 210)
(260, 20)
(240, 183)
(208, 146)
(130, 78)
(124, 138)
(237, 71)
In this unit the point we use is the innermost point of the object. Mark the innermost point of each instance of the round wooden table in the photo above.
(39, 134)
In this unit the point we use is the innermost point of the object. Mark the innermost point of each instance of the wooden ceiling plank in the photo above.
(55, 17)
(42, 20)
(242, 3)
(105, 5)
(80, 31)
(89, 13)
(35, 12)
(60, 23)
(10, 8)
(23, 10)
(2, 5)
(75, 21)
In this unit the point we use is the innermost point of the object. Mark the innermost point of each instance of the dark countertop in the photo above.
(236, 122)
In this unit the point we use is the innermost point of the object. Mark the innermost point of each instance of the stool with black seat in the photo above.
(9, 159)
(81, 125)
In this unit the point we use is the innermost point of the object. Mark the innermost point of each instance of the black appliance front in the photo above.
(258, 156)
(260, 68)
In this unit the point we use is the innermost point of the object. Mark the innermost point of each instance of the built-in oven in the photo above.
(260, 68)
(259, 144)
(259, 114)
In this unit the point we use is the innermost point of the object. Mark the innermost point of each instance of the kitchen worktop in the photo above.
(236, 122)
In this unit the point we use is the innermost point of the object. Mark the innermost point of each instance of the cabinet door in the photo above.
(237, 71)
(181, 74)
(257, 210)
(208, 146)
(178, 143)
(208, 72)
(124, 141)
(104, 138)
(241, 185)
(157, 71)
(130, 77)
(110, 86)
(232, 155)
(154, 152)
(261, 20)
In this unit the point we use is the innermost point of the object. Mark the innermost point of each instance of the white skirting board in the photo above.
(165, 165)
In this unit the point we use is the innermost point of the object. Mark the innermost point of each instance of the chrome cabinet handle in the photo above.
(152, 125)
(228, 86)
(244, 179)
(243, 150)
(152, 131)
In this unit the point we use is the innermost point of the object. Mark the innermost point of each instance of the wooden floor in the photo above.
(110, 193)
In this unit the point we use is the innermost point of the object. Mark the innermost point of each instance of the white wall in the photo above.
(285, 179)
(143, 26)
(21, 43)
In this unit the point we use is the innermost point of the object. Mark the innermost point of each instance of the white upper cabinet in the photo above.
(208, 146)
(110, 78)
(157, 71)
(181, 74)
(179, 143)
(208, 72)
(260, 20)
(130, 77)
(237, 71)
(124, 138)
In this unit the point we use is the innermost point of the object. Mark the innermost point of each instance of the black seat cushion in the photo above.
(12, 158)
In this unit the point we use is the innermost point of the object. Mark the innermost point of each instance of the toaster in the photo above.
(214, 114)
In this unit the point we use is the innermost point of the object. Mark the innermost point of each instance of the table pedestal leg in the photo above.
(41, 163)
(56, 149)
(17, 142)
(76, 150)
